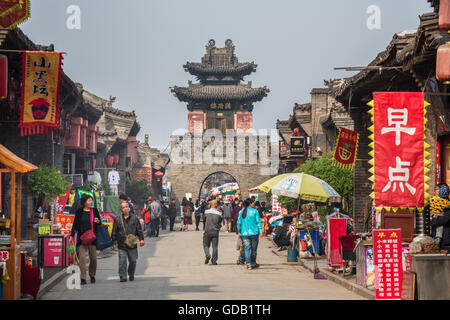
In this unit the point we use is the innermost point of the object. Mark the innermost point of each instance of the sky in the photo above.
(135, 49)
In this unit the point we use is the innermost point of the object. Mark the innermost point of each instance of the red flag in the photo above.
(398, 149)
(346, 148)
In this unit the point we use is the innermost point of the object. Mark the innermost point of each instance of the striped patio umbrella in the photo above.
(300, 185)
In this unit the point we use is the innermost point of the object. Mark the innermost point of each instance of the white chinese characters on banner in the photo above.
(397, 118)
(402, 178)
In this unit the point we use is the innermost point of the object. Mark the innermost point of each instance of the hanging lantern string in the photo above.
(20, 51)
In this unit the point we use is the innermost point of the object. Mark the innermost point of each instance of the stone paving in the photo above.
(172, 267)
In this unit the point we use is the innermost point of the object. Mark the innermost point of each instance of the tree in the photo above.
(45, 184)
(341, 180)
(138, 191)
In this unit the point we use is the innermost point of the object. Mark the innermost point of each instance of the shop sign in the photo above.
(298, 147)
(41, 90)
(399, 156)
(387, 256)
(44, 229)
(276, 207)
(66, 220)
(4, 255)
(60, 201)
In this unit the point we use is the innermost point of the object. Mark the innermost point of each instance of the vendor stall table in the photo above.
(15, 167)
(365, 271)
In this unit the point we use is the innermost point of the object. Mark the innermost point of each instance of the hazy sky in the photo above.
(135, 49)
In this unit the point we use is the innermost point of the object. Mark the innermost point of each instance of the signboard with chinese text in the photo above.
(399, 156)
(387, 258)
(346, 149)
(13, 12)
(276, 206)
(298, 147)
(41, 88)
(66, 220)
(60, 201)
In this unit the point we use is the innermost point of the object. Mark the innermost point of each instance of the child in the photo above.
(239, 247)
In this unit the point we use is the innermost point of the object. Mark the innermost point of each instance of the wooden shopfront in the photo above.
(12, 165)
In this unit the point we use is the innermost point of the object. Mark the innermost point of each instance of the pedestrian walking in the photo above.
(187, 214)
(227, 214)
(126, 234)
(197, 214)
(87, 219)
(213, 220)
(164, 215)
(249, 226)
(172, 213)
(235, 215)
(147, 217)
(155, 217)
(205, 206)
(123, 198)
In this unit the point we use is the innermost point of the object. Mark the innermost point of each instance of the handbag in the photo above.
(130, 240)
(88, 236)
(103, 239)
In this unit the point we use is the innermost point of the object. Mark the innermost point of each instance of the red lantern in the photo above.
(116, 159)
(443, 62)
(159, 175)
(3, 76)
(444, 14)
(109, 160)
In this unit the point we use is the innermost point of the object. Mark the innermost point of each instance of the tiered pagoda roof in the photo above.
(220, 75)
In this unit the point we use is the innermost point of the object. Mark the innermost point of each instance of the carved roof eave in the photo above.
(205, 69)
(187, 94)
(422, 47)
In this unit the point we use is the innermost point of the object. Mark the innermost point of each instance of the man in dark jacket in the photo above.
(213, 223)
(172, 213)
(124, 225)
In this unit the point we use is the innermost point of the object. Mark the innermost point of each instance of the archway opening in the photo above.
(219, 185)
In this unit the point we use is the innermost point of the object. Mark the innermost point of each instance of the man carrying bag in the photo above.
(127, 232)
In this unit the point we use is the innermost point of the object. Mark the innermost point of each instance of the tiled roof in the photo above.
(203, 69)
(200, 91)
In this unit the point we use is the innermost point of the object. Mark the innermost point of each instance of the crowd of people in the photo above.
(131, 226)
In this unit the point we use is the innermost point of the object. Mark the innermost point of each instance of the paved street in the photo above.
(172, 267)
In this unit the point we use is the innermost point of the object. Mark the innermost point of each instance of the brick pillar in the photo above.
(362, 186)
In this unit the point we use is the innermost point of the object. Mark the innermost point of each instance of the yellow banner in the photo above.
(41, 86)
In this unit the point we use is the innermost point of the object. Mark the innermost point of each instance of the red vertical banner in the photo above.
(399, 157)
(387, 260)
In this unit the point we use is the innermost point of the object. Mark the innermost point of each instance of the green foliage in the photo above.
(341, 180)
(138, 191)
(46, 183)
(106, 188)
(90, 186)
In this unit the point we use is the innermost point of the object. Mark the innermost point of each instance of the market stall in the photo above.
(12, 165)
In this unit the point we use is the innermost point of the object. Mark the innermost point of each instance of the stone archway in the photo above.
(231, 179)
(188, 178)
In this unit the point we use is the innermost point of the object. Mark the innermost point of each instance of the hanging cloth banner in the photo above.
(41, 87)
(345, 151)
(399, 150)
